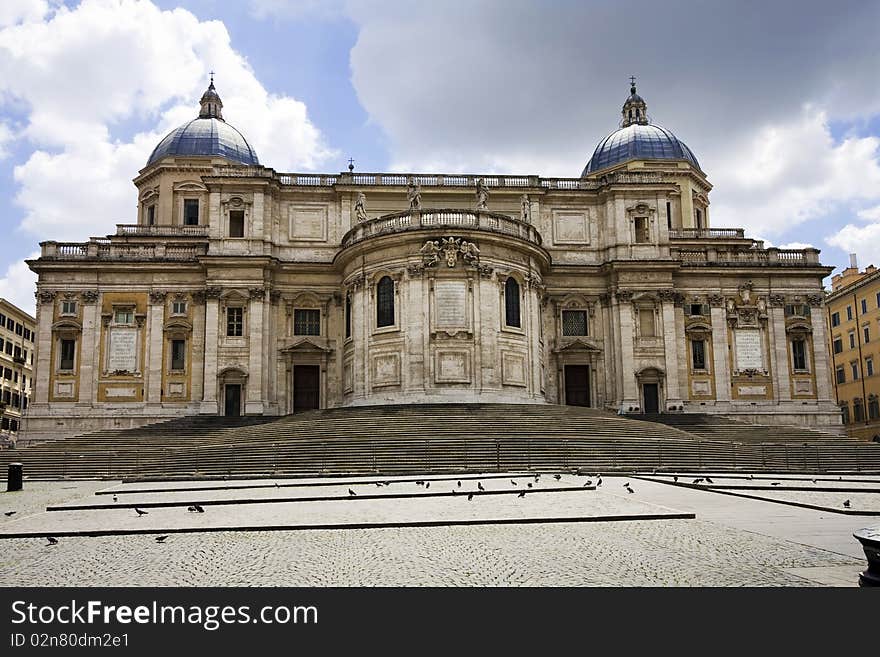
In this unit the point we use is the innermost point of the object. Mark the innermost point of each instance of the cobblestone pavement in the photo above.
(697, 552)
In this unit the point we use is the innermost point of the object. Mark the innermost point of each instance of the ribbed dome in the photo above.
(638, 142)
(205, 137)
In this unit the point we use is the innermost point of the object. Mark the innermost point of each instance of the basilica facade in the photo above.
(241, 290)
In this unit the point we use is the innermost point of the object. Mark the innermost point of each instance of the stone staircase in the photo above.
(425, 438)
(716, 427)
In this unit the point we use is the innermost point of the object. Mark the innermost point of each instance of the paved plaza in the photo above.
(425, 531)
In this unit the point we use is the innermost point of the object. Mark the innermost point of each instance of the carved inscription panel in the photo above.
(749, 352)
(123, 355)
(450, 304)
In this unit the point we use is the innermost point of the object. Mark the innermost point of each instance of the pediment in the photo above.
(306, 346)
(577, 345)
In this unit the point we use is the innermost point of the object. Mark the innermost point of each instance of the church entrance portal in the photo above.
(306, 387)
(577, 385)
(232, 405)
(652, 398)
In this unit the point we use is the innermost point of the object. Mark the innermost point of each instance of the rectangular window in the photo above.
(866, 331)
(27, 334)
(306, 321)
(19, 329)
(835, 319)
(7, 374)
(16, 352)
(190, 212)
(878, 300)
(151, 215)
(68, 350)
(838, 345)
(698, 354)
(646, 322)
(1, 344)
(873, 408)
(347, 315)
(864, 306)
(699, 218)
(234, 322)
(3, 317)
(236, 223)
(855, 371)
(869, 367)
(574, 322)
(849, 313)
(178, 355)
(9, 348)
(852, 339)
(799, 354)
(68, 307)
(178, 307)
(841, 375)
(844, 413)
(642, 234)
(669, 215)
(696, 309)
(123, 316)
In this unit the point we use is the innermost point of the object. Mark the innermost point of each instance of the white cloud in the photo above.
(18, 285)
(16, 11)
(797, 245)
(88, 72)
(870, 214)
(6, 136)
(864, 241)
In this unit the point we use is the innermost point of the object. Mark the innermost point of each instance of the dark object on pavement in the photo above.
(522, 494)
(140, 512)
(13, 477)
(351, 492)
(9, 513)
(869, 537)
(52, 540)
(846, 504)
(161, 539)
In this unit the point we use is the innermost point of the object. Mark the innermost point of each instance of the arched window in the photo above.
(511, 302)
(385, 302)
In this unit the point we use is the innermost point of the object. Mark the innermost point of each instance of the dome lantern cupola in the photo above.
(635, 110)
(212, 106)
(208, 135)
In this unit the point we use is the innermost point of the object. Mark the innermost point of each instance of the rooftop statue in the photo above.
(414, 194)
(360, 207)
(482, 195)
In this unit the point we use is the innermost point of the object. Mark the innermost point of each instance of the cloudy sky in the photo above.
(779, 100)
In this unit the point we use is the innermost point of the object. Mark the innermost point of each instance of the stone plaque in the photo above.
(123, 342)
(570, 227)
(121, 392)
(803, 387)
(513, 369)
(450, 298)
(749, 353)
(386, 370)
(753, 390)
(308, 222)
(452, 367)
(701, 387)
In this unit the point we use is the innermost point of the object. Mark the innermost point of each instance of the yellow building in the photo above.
(853, 308)
(16, 367)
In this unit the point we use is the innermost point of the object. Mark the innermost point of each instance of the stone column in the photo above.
(720, 352)
(43, 344)
(779, 354)
(824, 389)
(90, 361)
(212, 324)
(671, 340)
(624, 314)
(254, 402)
(153, 369)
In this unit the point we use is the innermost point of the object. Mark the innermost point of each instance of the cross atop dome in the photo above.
(635, 110)
(212, 106)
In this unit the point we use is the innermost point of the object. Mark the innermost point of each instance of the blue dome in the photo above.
(209, 137)
(638, 142)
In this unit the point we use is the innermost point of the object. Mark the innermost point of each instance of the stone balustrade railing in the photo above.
(108, 250)
(523, 182)
(441, 218)
(161, 231)
(706, 233)
(772, 256)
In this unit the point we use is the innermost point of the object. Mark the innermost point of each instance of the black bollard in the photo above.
(869, 537)
(13, 477)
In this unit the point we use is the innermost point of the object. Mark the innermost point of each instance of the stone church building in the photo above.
(241, 290)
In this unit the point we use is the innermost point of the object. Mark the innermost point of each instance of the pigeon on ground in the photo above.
(587, 483)
(557, 477)
(846, 503)
(674, 477)
(709, 481)
(513, 482)
(698, 480)
(52, 540)
(529, 484)
(814, 481)
(459, 484)
(195, 508)
(599, 481)
(427, 485)
(140, 512)
(537, 476)
(351, 492)
(628, 489)
(378, 484)
(480, 485)
(161, 539)
(522, 494)
(9, 513)
(115, 499)
(774, 483)
(470, 496)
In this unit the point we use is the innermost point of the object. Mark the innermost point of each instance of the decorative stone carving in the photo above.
(414, 194)
(355, 281)
(46, 296)
(430, 252)
(360, 207)
(776, 300)
(605, 299)
(257, 293)
(485, 271)
(90, 296)
(275, 296)
(213, 292)
(623, 296)
(716, 300)
(449, 249)
(815, 300)
(157, 297)
(667, 295)
(198, 297)
(745, 293)
(482, 195)
(525, 209)
(415, 270)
